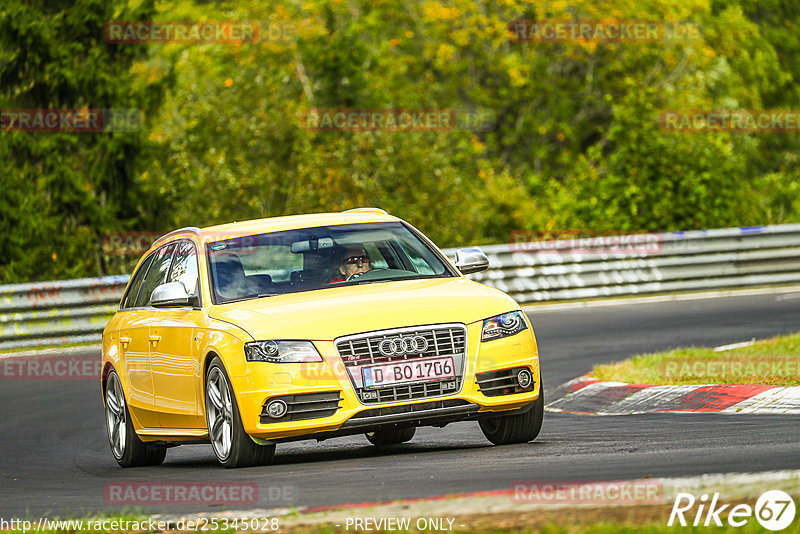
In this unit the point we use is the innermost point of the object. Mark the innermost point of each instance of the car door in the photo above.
(132, 346)
(134, 343)
(174, 350)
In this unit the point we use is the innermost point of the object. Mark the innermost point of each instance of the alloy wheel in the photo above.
(116, 420)
(219, 412)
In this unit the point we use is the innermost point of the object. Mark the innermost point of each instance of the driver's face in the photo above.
(355, 261)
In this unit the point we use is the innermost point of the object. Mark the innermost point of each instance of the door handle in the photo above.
(124, 342)
(154, 339)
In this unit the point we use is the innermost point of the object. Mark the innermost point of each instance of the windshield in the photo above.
(317, 258)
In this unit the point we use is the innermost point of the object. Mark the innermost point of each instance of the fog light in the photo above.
(524, 378)
(276, 409)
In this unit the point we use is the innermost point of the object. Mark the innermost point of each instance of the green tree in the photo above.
(61, 192)
(576, 142)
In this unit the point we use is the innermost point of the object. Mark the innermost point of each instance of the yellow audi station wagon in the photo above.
(254, 333)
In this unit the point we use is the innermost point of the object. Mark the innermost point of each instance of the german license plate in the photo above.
(408, 371)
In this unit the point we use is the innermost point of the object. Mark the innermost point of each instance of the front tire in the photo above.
(232, 445)
(521, 428)
(391, 436)
(127, 448)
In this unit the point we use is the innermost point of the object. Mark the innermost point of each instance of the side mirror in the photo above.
(170, 294)
(471, 260)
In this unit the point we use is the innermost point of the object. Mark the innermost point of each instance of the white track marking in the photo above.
(723, 348)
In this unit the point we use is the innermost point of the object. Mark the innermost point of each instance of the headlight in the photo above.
(281, 352)
(504, 325)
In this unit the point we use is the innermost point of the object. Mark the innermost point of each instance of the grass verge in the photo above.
(773, 362)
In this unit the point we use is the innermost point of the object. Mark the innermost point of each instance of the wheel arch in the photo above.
(107, 368)
(209, 357)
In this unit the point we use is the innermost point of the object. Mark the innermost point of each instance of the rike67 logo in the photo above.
(774, 510)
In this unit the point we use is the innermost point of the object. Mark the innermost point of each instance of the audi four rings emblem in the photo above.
(395, 346)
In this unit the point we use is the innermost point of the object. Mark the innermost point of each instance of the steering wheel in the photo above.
(371, 272)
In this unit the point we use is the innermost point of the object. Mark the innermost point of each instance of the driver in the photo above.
(353, 261)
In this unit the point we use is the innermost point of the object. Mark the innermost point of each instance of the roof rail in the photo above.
(195, 230)
(367, 210)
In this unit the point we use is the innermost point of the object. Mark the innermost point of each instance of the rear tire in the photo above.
(232, 445)
(392, 436)
(521, 428)
(127, 448)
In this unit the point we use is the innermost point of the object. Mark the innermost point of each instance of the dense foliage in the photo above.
(575, 144)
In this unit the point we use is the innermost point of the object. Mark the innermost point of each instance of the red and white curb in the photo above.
(587, 395)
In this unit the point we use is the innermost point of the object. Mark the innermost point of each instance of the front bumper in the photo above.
(268, 381)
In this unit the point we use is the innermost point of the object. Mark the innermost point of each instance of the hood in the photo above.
(326, 314)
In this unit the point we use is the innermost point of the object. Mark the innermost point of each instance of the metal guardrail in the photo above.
(76, 311)
(57, 313)
(639, 264)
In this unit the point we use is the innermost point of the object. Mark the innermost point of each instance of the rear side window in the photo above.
(156, 275)
(184, 268)
(136, 284)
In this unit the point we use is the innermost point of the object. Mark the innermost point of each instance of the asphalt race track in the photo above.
(55, 459)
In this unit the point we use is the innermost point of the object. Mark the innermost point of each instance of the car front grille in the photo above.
(357, 351)
(304, 406)
(364, 350)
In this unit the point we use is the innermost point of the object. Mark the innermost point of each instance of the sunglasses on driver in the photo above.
(353, 260)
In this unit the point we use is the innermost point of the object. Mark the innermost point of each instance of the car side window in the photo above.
(184, 268)
(155, 275)
(133, 290)
(375, 256)
(415, 256)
